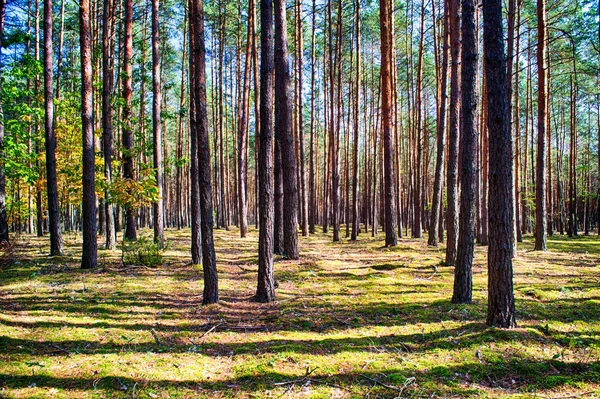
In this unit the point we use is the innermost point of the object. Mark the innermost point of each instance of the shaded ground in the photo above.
(352, 320)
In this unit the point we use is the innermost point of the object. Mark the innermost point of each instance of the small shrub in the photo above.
(143, 252)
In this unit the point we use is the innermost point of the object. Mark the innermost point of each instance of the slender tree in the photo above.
(385, 19)
(242, 163)
(313, 140)
(127, 133)
(284, 134)
(453, 136)
(3, 215)
(89, 257)
(157, 207)
(541, 175)
(195, 221)
(200, 128)
(266, 281)
(441, 135)
(356, 127)
(303, 198)
(501, 302)
(463, 275)
(107, 114)
(56, 244)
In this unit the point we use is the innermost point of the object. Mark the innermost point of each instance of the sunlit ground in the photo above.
(352, 320)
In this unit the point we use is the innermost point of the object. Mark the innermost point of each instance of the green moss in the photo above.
(353, 319)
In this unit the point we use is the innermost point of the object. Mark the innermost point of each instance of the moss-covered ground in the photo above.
(351, 320)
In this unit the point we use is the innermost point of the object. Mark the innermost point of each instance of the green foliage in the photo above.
(134, 193)
(142, 252)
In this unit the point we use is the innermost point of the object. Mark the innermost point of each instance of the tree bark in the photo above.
(196, 244)
(436, 205)
(452, 168)
(265, 291)
(356, 128)
(127, 134)
(501, 303)
(56, 243)
(3, 215)
(300, 111)
(89, 257)
(385, 10)
(200, 122)
(284, 134)
(541, 176)
(242, 167)
(312, 212)
(158, 206)
(463, 276)
(107, 115)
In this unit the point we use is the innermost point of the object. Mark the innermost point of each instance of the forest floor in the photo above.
(351, 320)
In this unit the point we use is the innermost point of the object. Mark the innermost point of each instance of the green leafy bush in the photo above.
(142, 252)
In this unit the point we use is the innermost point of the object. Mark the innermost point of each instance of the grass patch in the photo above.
(351, 320)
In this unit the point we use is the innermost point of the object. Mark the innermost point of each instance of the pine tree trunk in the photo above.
(266, 281)
(89, 256)
(56, 243)
(127, 134)
(242, 161)
(452, 171)
(541, 175)
(312, 206)
(436, 205)
(463, 277)
(196, 244)
(284, 134)
(200, 128)
(385, 10)
(3, 216)
(356, 127)
(501, 304)
(107, 114)
(158, 206)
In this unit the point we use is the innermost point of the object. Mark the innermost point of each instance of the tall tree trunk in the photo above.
(242, 167)
(419, 128)
(452, 168)
(61, 36)
(200, 128)
(179, 174)
(56, 243)
(196, 244)
(3, 216)
(510, 56)
(573, 158)
(127, 134)
(89, 257)
(356, 127)
(300, 111)
(39, 200)
(312, 211)
(463, 275)
(278, 200)
(385, 11)
(541, 176)
(107, 114)
(266, 281)
(284, 134)
(501, 303)
(158, 206)
(436, 205)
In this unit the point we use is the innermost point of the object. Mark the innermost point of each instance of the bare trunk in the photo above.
(89, 257)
